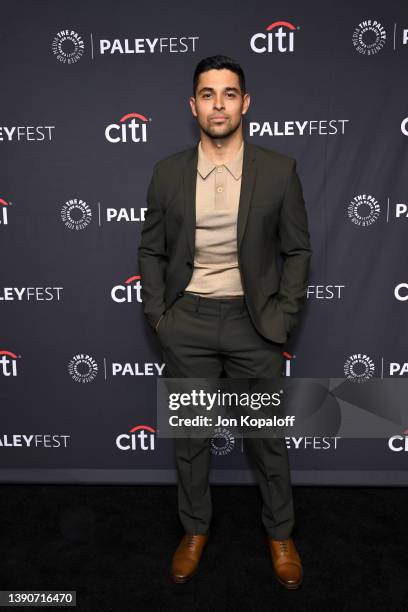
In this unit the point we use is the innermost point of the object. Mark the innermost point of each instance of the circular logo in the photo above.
(83, 368)
(76, 214)
(359, 368)
(363, 210)
(369, 37)
(68, 46)
(222, 442)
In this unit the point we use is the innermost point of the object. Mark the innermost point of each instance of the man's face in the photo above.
(218, 104)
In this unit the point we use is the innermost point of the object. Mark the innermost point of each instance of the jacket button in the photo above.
(189, 264)
(180, 293)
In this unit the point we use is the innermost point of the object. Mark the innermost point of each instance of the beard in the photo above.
(218, 132)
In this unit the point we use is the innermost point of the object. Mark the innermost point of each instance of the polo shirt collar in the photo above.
(205, 166)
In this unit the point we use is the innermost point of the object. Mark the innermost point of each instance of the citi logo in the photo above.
(280, 36)
(3, 211)
(401, 292)
(130, 128)
(398, 443)
(8, 363)
(288, 359)
(140, 437)
(129, 291)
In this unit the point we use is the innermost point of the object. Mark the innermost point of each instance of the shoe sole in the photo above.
(289, 586)
(183, 580)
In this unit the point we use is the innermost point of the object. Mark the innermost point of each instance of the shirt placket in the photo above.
(220, 187)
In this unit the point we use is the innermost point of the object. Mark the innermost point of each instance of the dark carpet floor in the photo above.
(113, 545)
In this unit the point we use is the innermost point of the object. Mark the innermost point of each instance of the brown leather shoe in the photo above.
(187, 557)
(287, 563)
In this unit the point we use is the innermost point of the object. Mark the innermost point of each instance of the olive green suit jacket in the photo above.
(273, 241)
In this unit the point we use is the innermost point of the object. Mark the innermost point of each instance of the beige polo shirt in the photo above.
(216, 272)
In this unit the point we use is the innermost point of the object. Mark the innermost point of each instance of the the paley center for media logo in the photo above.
(83, 368)
(359, 368)
(222, 442)
(369, 37)
(363, 210)
(76, 214)
(68, 46)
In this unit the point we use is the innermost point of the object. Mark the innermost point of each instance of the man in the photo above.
(224, 259)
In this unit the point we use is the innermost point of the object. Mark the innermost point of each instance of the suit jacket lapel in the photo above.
(189, 190)
(247, 187)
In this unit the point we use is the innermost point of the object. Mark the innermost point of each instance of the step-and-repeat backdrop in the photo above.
(93, 94)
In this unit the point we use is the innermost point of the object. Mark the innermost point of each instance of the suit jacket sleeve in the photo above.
(295, 250)
(152, 255)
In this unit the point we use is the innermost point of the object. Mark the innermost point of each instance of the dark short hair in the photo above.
(218, 62)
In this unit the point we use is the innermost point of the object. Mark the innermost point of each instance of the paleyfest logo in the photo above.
(83, 368)
(279, 37)
(76, 214)
(359, 368)
(131, 127)
(68, 46)
(369, 37)
(363, 210)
